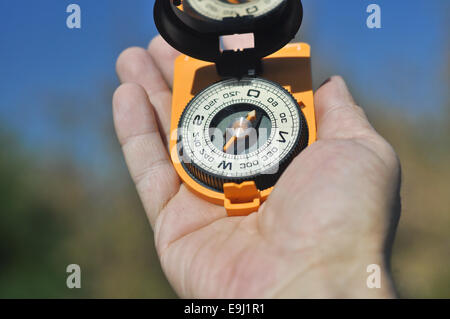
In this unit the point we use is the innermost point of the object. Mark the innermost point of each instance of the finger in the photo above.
(135, 65)
(338, 116)
(164, 56)
(144, 150)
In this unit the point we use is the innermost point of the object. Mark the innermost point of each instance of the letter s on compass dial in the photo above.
(240, 130)
(220, 9)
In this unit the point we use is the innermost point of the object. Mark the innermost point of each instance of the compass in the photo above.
(239, 117)
(241, 129)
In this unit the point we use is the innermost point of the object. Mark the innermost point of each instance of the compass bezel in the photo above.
(262, 181)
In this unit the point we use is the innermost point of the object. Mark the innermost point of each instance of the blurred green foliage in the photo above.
(421, 254)
(51, 217)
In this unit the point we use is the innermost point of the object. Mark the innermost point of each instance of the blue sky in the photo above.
(49, 71)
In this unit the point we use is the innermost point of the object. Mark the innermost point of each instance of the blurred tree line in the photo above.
(56, 211)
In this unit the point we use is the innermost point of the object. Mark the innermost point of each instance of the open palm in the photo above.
(332, 213)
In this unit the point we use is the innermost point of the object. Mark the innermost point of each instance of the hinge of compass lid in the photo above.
(199, 38)
(239, 63)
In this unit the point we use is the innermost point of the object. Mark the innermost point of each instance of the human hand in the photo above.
(332, 213)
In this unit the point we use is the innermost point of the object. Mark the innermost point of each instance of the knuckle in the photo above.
(124, 96)
(160, 49)
(125, 90)
(387, 152)
(359, 110)
(119, 94)
(390, 156)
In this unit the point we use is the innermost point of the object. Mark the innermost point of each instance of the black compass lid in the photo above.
(199, 36)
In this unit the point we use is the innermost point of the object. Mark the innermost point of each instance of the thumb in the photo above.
(338, 116)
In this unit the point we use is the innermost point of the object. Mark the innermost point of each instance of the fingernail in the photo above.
(325, 82)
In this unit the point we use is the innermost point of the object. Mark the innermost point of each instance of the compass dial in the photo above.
(241, 130)
(220, 9)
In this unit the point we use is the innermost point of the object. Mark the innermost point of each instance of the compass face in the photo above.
(220, 9)
(240, 130)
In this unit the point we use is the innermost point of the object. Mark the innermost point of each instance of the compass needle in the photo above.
(241, 128)
(230, 142)
(251, 116)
